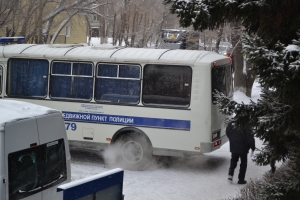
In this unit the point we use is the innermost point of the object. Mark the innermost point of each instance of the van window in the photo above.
(27, 78)
(167, 85)
(35, 169)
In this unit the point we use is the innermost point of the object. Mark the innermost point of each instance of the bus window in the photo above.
(221, 80)
(35, 169)
(167, 85)
(27, 78)
(71, 80)
(118, 83)
(1, 79)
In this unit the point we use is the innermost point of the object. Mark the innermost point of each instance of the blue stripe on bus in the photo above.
(127, 120)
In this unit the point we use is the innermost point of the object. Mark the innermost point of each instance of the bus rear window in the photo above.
(27, 78)
(35, 169)
(167, 85)
(221, 78)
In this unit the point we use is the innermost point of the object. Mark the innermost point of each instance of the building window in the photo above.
(71, 80)
(167, 85)
(94, 32)
(118, 83)
(95, 18)
(68, 31)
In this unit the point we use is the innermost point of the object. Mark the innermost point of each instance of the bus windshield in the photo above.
(35, 169)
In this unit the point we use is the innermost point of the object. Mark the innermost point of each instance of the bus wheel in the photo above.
(135, 151)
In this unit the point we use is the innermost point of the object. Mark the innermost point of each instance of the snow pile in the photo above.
(293, 47)
(240, 97)
(95, 41)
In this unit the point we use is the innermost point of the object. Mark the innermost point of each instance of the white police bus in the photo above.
(150, 101)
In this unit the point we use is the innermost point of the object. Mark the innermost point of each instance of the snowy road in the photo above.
(192, 178)
(196, 178)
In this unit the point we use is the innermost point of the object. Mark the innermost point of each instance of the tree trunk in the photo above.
(159, 31)
(250, 80)
(126, 28)
(237, 58)
(122, 29)
(40, 38)
(47, 29)
(88, 30)
(220, 33)
(243, 78)
(102, 23)
(107, 29)
(134, 23)
(143, 41)
(114, 37)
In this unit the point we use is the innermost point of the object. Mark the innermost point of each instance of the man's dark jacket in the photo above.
(241, 140)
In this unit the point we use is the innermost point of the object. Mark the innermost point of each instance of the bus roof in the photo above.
(81, 52)
(16, 110)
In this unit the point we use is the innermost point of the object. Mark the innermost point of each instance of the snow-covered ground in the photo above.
(197, 177)
(95, 41)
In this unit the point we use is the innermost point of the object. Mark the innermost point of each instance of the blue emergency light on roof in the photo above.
(11, 39)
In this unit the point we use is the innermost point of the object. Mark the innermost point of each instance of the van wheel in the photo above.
(135, 151)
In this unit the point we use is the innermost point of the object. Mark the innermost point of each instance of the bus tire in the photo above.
(134, 151)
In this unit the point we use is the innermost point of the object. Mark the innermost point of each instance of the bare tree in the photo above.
(136, 22)
(73, 8)
(6, 14)
(243, 77)
(219, 38)
(35, 18)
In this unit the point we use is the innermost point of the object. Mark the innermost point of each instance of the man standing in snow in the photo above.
(240, 140)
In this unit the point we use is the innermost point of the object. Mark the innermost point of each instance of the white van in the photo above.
(34, 152)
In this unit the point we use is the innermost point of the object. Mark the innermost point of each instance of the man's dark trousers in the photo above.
(243, 165)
